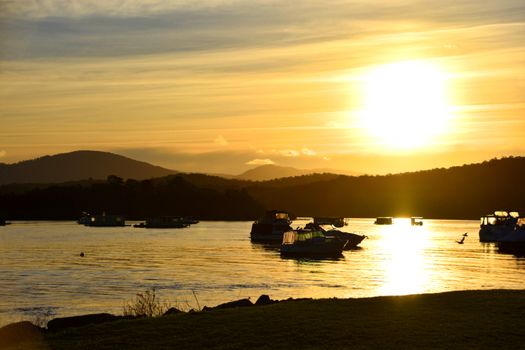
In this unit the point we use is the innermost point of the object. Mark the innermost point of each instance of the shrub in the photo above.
(146, 304)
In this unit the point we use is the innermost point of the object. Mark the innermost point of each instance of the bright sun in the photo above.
(405, 104)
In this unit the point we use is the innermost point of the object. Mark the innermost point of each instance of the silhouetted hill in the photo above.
(463, 192)
(78, 165)
(467, 191)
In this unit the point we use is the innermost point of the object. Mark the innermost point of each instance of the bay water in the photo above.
(42, 274)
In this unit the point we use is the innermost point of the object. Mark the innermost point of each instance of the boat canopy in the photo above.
(291, 237)
(503, 217)
(281, 216)
(504, 214)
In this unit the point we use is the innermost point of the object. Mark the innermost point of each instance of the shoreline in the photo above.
(459, 319)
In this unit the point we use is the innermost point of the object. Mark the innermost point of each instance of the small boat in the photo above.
(84, 219)
(271, 226)
(104, 220)
(416, 221)
(190, 220)
(334, 221)
(306, 242)
(383, 220)
(353, 239)
(502, 227)
(164, 222)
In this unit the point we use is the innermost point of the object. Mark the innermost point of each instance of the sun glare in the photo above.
(405, 105)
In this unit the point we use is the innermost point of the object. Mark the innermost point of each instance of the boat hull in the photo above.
(323, 248)
(353, 240)
(266, 232)
(496, 234)
(142, 225)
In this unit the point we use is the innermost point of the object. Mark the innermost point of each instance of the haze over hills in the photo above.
(272, 171)
(82, 165)
(78, 165)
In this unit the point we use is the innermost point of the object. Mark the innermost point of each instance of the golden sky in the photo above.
(220, 86)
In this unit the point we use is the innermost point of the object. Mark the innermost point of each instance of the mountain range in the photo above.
(82, 165)
(461, 192)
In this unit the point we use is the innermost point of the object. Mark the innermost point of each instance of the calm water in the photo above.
(42, 272)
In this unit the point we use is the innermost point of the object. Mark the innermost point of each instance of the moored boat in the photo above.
(164, 222)
(383, 220)
(84, 219)
(104, 220)
(502, 227)
(271, 226)
(334, 221)
(416, 221)
(353, 239)
(306, 242)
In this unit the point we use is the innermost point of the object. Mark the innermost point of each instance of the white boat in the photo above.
(270, 227)
(305, 242)
(502, 226)
(353, 239)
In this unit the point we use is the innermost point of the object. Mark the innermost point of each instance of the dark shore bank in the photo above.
(455, 320)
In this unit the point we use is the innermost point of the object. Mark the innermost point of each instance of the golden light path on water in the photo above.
(403, 248)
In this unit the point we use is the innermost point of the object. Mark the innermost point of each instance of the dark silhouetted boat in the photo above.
(190, 220)
(416, 221)
(502, 227)
(270, 227)
(165, 222)
(104, 220)
(84, 219)
(383, 220)
(353, 239)
(334, 221)
(315, 243)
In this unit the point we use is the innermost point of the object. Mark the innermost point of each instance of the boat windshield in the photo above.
(281, 216)
(291, 237)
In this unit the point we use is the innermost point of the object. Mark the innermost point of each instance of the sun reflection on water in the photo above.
(403, 247)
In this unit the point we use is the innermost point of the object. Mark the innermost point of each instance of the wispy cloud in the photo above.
(260, 162)
(221, 141)
(282, 77)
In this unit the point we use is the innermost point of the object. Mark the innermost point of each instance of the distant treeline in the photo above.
(133, 199)
(464, 192)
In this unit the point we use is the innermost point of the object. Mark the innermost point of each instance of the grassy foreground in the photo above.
(456, 320)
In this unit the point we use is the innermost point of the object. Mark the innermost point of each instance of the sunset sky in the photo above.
(222, 85)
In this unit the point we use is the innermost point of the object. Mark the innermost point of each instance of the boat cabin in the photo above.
(502, 218)
(383, 220)
(275, 215)
(416, 221)
(296, 236)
